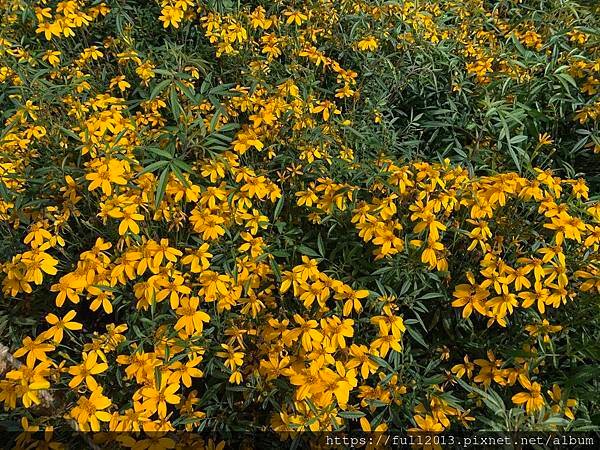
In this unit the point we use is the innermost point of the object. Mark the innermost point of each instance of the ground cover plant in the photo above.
(295, 217)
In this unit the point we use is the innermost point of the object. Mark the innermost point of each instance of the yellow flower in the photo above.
(120, 82)
(502, 304)
(245, 139)
(89, 411)
(86, 371)
(255, 187)
(68, 287)
(37, 235)
(128, 216)
(564, 406)
(156, 397)
(426, 424)
(233, 357)
(545, 139)
(34, 349)
(466, 368)
(533, 398)
(351, 299)
(368, 43)
(314, 291)
(209, 225)
(295, 17)
(49, 29)
(58, 325)
(39, 264)
(199, 260)
(214, 284)
(470, 297)
(326, 108)
(171, 288)
(389, 323)
(540, 297)
(171, 15)
(308, 269)
(339, 383)
(428, 222)
(185, 371)
(389, 242)
(307, 197)
(235, 377)
(163, 251)
(384, 343)
(191, 320)
(146, 71)
(366, 426)
(360, 356)
(27, 381)
(105, 174)
(52, 56)
(307, 380)
(307, 333)
(102, 296)
(274, 367)
(336, 331)
(254, 244)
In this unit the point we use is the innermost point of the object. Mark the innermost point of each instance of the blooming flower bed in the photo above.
(296, 217)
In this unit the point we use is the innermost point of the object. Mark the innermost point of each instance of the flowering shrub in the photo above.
(299, 216)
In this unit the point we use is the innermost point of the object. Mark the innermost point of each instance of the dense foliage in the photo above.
(289, 216)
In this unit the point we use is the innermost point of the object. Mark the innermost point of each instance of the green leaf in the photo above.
(69, 133)
(159, 152)
(183, 166)
(436, 379)
(187, 91)
(381, 362)
(176, 108)
(352, 415)
(307, 251)
(161, 187)
(556, 421)
(320, 245)
(157, 376)
(416, 335)
(152, 167)
(4, 192)
(179, 175)
(159, 88)
(278, 207)
(517, 139)
(514, 157)
(489, 397)
(432, 295)
(275, 268)
(566, 77)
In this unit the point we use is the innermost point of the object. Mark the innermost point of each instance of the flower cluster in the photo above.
(297, 217)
